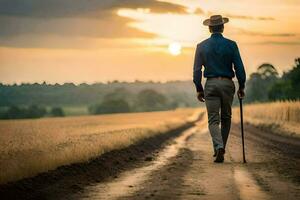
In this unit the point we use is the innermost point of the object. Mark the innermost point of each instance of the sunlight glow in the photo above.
(175, 48)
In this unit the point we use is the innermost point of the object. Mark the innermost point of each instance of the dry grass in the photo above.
(281, 117)
(28, 147)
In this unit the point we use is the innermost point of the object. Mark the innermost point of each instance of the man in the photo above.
(221, 60)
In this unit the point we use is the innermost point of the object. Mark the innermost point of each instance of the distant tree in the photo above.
(260, 83)
(14, 112)
(57, 112)
(288, 86)
(280, 90)
(267, 71)
(110, 106)
(118, 93)
(35, 111)
(150, 100)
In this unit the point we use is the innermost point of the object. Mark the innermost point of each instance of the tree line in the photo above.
(31, 100)
(69, 94)
(119, 101)
(31, 112)
(266, 85)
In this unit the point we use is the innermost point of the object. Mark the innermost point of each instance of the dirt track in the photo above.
(189, 172)
(184, 169)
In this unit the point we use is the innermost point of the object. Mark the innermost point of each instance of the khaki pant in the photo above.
(218, 94)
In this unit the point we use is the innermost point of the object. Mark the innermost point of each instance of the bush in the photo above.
(32, 111)
(14, 112)
(150, 100)
(110, 106)
(57, 112)
(35, 111)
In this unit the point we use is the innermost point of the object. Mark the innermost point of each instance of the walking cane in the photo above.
(242, 128)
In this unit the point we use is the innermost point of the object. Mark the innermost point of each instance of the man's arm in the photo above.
(197, 72)
(239, 67)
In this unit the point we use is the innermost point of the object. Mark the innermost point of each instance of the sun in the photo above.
(175, 48)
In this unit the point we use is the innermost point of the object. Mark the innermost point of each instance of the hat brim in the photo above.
(207, 22)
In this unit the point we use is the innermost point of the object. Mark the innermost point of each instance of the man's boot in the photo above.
(220, 155)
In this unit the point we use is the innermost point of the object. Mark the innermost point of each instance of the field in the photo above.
(28, 147)
(75, 110)
(178, 163)
(277, 117)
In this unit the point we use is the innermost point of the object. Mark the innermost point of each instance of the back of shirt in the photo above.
(219, 56)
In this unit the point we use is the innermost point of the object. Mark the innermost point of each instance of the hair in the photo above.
(216, 29)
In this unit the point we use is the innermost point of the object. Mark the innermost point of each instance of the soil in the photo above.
(177, 165)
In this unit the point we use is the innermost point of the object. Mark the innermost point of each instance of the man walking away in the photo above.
(219, 56)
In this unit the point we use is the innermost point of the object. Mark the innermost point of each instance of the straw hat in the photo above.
(215, 20)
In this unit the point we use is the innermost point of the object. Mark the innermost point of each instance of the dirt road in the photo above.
(182, 168)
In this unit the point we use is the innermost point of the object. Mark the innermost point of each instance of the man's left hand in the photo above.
(200, 96)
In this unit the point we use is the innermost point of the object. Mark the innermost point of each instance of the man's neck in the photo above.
(216, 34)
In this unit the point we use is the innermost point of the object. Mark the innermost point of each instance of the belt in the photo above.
(220, 78)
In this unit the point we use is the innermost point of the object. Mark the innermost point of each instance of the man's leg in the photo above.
(226, 103)
(213, 105)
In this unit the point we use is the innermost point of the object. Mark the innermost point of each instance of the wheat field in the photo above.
(28, 147)
(280, 117)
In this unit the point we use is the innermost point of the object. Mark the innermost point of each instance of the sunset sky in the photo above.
(104, 40)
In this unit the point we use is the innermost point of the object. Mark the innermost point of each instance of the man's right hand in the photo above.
(200, 96)
(241, 93)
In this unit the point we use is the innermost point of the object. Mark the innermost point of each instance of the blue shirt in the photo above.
(219, 56)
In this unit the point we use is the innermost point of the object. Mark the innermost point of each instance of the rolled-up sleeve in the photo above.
(197, 71)
(239, 66)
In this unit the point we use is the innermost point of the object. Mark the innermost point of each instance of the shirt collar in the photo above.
(216, 35)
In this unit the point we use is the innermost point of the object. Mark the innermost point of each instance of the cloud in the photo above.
(80, 8)
(249, 17)
(199, 11)
(280, 43)
(241, 31)
(74, 18)
(265, 18)
(245, 17)
(110, 26)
